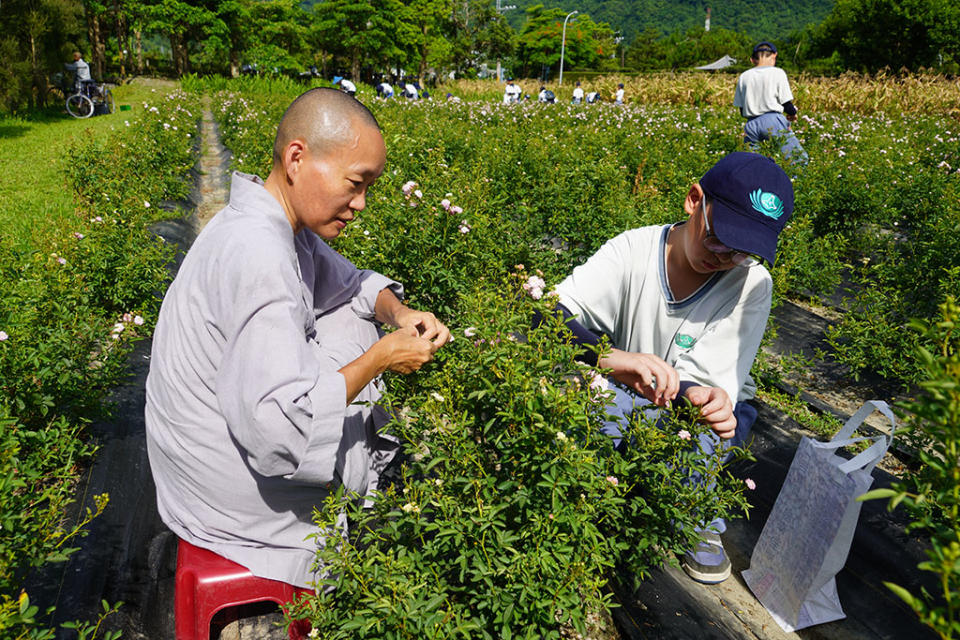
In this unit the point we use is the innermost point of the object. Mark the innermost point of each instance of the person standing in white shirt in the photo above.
(577, 94)
(764, 98)
(619, 98)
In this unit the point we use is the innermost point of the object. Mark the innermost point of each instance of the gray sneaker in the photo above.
(707, 563)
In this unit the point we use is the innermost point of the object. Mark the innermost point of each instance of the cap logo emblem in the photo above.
(768, 204)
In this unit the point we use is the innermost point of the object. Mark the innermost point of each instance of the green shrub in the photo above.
(932, 492)
(73, 301)
(472, 189)
(514, 509)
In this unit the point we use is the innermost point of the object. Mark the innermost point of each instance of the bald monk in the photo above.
(261, 397)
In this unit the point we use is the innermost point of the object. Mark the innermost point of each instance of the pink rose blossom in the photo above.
(613, 480)
(408, 187)
(470, 332)
(127, 317)
(418, 193)
(445, 203)
(750, 484)
(455, 210)
(598, 382)
(62, 260)
(534, 286)
(683, 434)
(138, 320)
(3, 336)
(78, 235)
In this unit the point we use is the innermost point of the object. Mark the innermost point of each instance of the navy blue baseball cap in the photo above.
(764, 46)
(752, 201)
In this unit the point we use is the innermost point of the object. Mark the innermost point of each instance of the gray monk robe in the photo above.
(247, 422)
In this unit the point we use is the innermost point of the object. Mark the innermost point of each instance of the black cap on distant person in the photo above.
(752, 199)
(764, 46)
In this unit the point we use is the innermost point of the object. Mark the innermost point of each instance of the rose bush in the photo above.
(73, 301)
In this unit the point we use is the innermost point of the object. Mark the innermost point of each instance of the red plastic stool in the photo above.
(207, 583)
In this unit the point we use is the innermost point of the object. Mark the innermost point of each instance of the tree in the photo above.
(431, 22)
(183, 23)
(587, 43)
(39, 36)
(869, 35)
(647, 52)
(278, 35)
(479, 33)
(697, 47)
(362, 30)
(227, 43)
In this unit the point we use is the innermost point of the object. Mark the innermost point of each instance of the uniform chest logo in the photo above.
(768, 204)
(684, 341)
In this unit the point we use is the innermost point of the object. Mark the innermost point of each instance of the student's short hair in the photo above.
(324, 118)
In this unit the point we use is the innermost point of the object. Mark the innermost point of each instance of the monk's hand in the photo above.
(647, 374)
(716, 409)
(405, 350)
(425, 323)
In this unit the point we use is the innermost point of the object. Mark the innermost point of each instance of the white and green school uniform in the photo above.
(710, 337)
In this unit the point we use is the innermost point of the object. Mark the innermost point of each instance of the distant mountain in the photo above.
(760, 19)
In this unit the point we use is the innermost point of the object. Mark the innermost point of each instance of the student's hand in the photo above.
(645, 373)
(425, 323)
(405, 350)
(716, 410)
(790, 118)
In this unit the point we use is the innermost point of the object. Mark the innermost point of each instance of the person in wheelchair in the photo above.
(82, 81)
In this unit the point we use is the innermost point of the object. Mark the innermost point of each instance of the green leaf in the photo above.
(876, 494)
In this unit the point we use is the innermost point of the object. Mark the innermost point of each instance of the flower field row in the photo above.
(72, 303)
(878, 201)
(513, 512)
(851, 92)
(482, 208)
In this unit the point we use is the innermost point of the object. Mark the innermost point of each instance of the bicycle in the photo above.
(82, 99)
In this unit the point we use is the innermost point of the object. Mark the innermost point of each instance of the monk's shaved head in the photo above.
(325, 119)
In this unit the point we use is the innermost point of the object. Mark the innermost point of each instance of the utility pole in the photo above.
(563, 44)
(500, 10)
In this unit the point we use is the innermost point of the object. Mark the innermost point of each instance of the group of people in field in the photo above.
(263, 386)
(762, 95)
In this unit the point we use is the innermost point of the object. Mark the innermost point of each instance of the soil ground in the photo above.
(129, 554)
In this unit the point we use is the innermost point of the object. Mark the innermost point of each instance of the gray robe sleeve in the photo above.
(283, 400)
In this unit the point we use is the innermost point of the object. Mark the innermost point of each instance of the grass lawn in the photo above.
(34, 196)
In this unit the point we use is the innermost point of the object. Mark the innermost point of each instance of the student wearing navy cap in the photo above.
(764, 98)
(685, 306)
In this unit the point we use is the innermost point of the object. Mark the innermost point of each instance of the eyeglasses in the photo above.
(712, 244)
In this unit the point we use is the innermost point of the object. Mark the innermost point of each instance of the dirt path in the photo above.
(214, 170)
